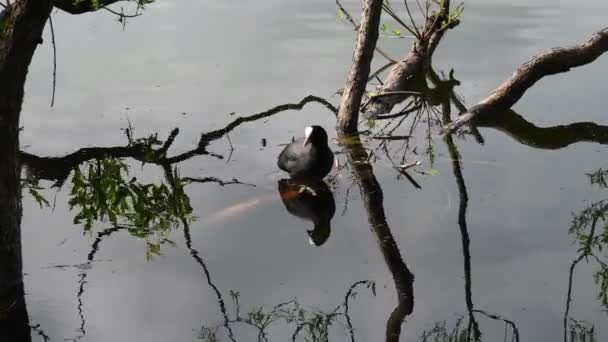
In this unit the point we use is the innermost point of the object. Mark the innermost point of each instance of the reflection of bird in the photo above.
(312, 201)
(308, 157)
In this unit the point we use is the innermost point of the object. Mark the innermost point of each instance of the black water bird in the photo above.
(311, 201)
(309, 157)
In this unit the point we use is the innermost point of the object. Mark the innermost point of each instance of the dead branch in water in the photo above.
(551, 62)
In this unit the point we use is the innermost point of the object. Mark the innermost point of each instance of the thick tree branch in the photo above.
(551, 62)
(20, 33)
(348, 115)
(80, 7)
(404, 71)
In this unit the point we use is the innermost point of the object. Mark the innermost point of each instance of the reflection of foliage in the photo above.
(461, 331)
(599, 178)
(441, 333)
(590, 227)
(313, 324)
(101, 192)
(581, 331)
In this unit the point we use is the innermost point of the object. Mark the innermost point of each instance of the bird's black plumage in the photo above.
(309, 157)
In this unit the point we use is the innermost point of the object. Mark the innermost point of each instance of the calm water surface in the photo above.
(505, 252)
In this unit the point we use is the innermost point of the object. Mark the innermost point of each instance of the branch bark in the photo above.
(20, 33)
(348, 114)
(551, 62)
(21, 29)
(402, 73)
(80, 7)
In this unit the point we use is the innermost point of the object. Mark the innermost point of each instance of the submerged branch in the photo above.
(551, 62)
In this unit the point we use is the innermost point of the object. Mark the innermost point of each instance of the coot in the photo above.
(308, 157)
(311, 201)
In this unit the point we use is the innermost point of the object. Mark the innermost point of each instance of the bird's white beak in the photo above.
(307, 133)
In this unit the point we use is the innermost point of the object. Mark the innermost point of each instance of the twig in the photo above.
(409, 178)
(54, 59)
(356, 26)
(215, 180)
(393, 15)
(392, 137)
(409, 13)
(231, 148)
(122, 15)
(36, 328)
(499, 318)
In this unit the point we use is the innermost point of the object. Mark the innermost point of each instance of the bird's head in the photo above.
(315, 135)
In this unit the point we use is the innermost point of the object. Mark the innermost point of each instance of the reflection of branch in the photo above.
(38, 330)
(507, 322)
(195, 255)
(83, 275)
(372, 196)
(462, 224)
(59, 168)
(315, 324)
(555, 137)
(214, 180)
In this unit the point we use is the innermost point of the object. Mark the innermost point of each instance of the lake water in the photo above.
(197, 65)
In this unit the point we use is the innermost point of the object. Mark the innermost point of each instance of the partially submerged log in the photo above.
(398, 79)
(550, 62)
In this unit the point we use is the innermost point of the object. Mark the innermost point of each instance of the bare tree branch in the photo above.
(80, 7)
(551, 62)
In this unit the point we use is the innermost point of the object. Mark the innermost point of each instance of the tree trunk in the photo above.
(348, 114)
(20, 32)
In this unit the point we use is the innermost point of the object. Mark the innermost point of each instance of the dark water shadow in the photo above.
(311, 201)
